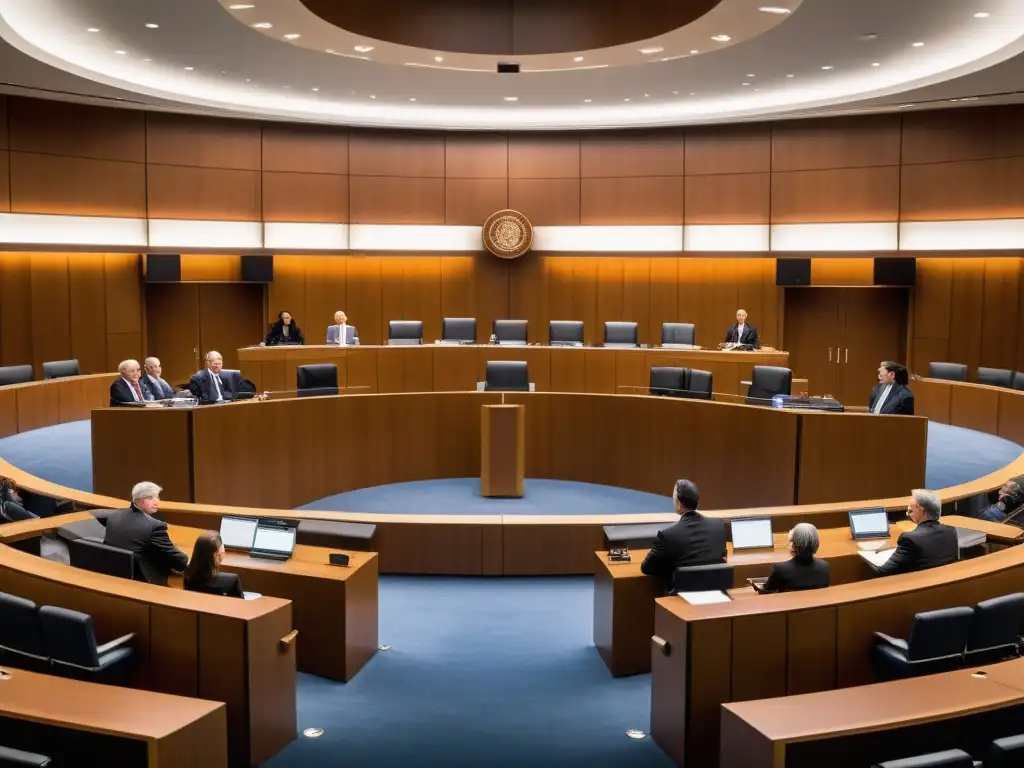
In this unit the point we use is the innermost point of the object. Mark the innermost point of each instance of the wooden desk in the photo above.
(117, 726)
(36, 404)
(334, 608)
(953, 710)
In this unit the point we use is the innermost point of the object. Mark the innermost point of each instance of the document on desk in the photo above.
(879, 558)
(251, 595)
(705, 598)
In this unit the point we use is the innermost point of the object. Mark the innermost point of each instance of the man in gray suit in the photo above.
(160, 388)
(341, 332)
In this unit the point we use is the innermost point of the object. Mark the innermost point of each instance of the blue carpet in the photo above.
(957, 455)
(61, 454)
(495, 672)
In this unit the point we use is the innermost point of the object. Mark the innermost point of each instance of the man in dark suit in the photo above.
(804, 570)
(693, 540)
(136, 530)
(891, 394)
(929, 545)
(741, 333)
(130, 388)
(154, 378)
(208, 386)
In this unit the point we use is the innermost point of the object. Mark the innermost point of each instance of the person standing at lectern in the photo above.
(741, 333)
(130, 388)
(341, 332)
(891, 394)
(694, 540)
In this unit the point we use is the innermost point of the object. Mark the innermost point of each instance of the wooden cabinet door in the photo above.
(172, 323)
(813, 332)
(874, 329)
(230, 316)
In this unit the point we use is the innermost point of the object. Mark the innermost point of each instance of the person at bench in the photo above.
(207, 385)
(1011, 498)
(131, 387)
(284, 331)
(203, 573)
(803, 570)
(341, 332)
(929, 545)
(742, 334)
(136, 530)
(154, 378)
(891, 394)
(693, 540)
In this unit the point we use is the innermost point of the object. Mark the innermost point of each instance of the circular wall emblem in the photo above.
(508, 234)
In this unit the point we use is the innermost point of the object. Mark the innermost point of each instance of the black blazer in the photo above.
(202, 387)
(749, 335)
(156, 556)
(929, 545)
(900, 400)
(797, 574)
(276, 336)
(694, 540)
(227, 584)
(121, 392)
(161, 389)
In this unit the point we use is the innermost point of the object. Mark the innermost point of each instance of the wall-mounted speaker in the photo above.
(896, 271)
(257, 269)
(163, 268)
(792, 271)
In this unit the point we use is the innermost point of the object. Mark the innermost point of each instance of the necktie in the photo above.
(138, 390)
(217, 386)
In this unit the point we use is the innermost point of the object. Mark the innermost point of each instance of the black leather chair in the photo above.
(699, 386)
(42, 505)
(315, 380)
(101, 558)
(510, 331)
(18, 758)
(507, 376)
(995, 377)
(1018, 380)
(995, 631)
(336, 534)
(1007, 752)
(59, 369)
(668, 381)
(678, 333)
(565, 333)
(405, 332)
(936, 644)
(22, 643)
(632, 535)
(768, 381)
(703, 578)
(15, 374)
(950, 758)
(71, 642)
(459, 329)
(621, 334)
(947, 371)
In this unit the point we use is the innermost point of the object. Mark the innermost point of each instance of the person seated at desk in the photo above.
(341, 332)
(130, 388)
(693, 540)
(1011, 498)
(137, 531)
(891, 394)
(803, 570)
(207, 386)
(284, 331)
(929, 545)
(203, 572)
(742, 334)
(154, 378)
(11, 504)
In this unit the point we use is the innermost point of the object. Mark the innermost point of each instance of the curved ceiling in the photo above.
(276, 59)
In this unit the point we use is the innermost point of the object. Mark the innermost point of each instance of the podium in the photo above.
(502, 450)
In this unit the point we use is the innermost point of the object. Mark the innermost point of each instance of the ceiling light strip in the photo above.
(172, 233)
(599, 239)
(313, 237)
(726, 237)
(37, 229)
(995, 234)
(835, 237)
(414, 237)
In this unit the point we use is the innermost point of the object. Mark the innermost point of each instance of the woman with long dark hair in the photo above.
(203, 571)
(284, 331)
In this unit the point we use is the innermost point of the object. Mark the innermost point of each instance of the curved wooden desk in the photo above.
(36, 404)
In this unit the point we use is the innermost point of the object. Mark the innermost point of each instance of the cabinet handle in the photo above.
(285, 642)
(830, 354)
(846, 355)
(663, 645)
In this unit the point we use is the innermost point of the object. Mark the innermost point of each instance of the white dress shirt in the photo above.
(881, 399)
(341, 334)
(739, 332)
(216, 384)
(135, 395)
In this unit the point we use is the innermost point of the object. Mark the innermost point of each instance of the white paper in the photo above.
(879, 558)
(873, 546)
(251, 595)
(705, 598)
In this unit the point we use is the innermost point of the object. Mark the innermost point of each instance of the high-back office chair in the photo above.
(1007, 752)
(19, 758)
(510, 331)
(15, 374)
(315, 380)
(21, 636)
(71, 642)
(677, 333)
(101, 558)
(947, 371)
(405, 332)
(1018, 380)
(668, 380)
(460, 329)
(620, 334)
(507, 376)
(703, 578)
(995, 377)
(59, 369)
(995, 630)
(768, 381)
(565, 333)
(950, 758)
(699, 384)
(936, 644)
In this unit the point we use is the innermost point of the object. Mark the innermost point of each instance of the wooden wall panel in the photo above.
(391, 153)
(836, 143)
(945, 135)
(125, 316)
(326, 293)
(16, 309)
(572, 293)
(476, 156)
(546, 202)
(51, 310)
(543, 156)
(842, 271)
(973, 189)
(528, 295)
(411, 290)
(856, 194)
(72, 185)
(3, 121)
(204, 142)
(42, 126)
(743, 198)
(363, 301)
(471, 201)
(966, 311)
(1000, 336)
(394, 200)
(5, 180)
(649, 200)
(663, 296)
(732, 149)
(87, 300)
(211, 268)
(314, 197)
(305, 149)
(288, 291)
(632, 154)
(177, 192)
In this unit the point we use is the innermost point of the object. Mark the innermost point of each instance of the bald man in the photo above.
(154, 378)
(208, 386)
(741, 333)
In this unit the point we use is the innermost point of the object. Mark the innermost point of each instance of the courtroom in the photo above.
(550, 383)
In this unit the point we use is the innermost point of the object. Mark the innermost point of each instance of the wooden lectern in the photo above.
(502, 450)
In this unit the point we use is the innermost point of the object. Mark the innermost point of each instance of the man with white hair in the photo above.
(136, 530)
(208, 386)
(929, 545)
(130, 388)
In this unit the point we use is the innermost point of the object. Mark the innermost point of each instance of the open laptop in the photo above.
(870, 523)
(275, 539)
(752, 533)
(238, 533)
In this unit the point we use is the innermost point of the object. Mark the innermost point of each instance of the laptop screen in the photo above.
(752, 533)
(275, 539)
(869, 523)
(237, 532)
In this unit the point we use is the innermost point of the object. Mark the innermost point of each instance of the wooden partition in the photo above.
(24, 407)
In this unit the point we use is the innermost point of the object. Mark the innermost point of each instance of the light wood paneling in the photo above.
(62, 128)
(51, 310)
(836, 143)
(363, 303)
(649, 200)
(840, 271)
(305, 149)
(177, 192)
(203, 141)
(394, 200)
(471, 201)
(728, 199)
(543, 156)
(845, 195)
(87, 298)
(5, 180)
(632, 154)
(314, 197)
(476, 156)
(210, 268)
(3, 121)
(390, 153)
(1001, 300)
(942, 135)
(736, 149)
(973, 189)
(966, 311)
(546, 202)
(73, 185)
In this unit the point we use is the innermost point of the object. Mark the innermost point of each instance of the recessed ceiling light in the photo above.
(439, 59)
(903, 106)
(147, 60)
(263, 25)
(693, 94)
(372, 96)
(649, 51)
(828, 66)
(248, 79)
(876, 63)
(751, 75)
(412, 98)
(587, 101)
(625, 99)
(790, 75)
(694, 51)
(292, 36)
(774, 9)
(577, 58)
(511, 98)
(744, 83)
(675, 93)
(241, 6)
(982, 15)
(867, 37)
(189, 69)
(314, 89)
(152, 26)
(647, 95)
(120, 53)
(721, 38)
(92, 29)
(918, 44)
(364, 48)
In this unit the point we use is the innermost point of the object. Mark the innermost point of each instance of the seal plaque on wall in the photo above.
(507, 234)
